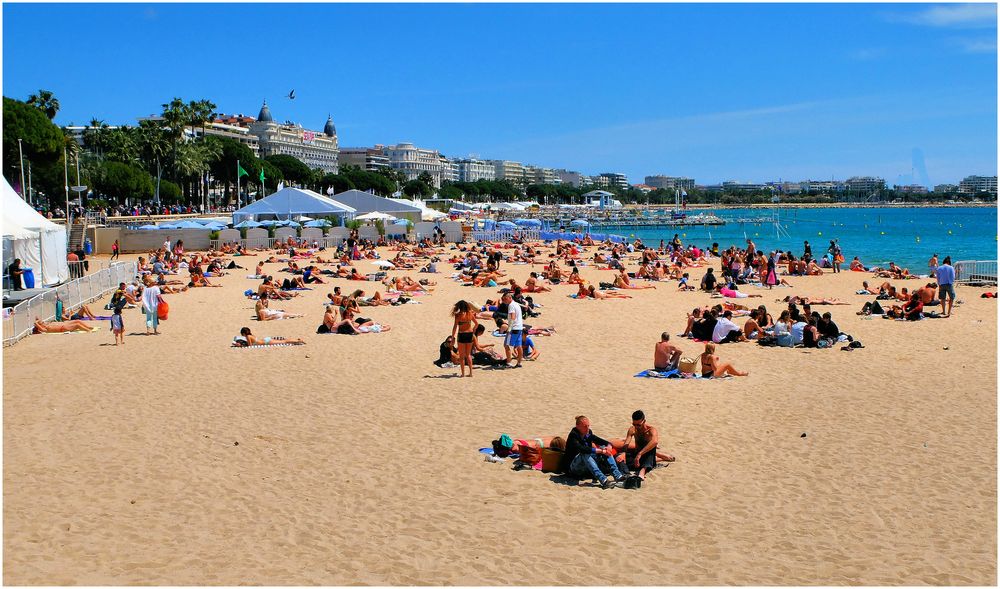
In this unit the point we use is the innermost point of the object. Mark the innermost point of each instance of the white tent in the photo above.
(38, 242)
(289, 203)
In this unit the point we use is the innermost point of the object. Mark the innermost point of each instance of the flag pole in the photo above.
(239, 200)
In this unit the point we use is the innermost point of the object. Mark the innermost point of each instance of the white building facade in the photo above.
(413, 161)
(974, 184)
(313, 148)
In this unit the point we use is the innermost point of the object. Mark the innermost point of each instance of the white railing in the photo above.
(19, 320)
(506, 234)
(976, 272)
(268, 242)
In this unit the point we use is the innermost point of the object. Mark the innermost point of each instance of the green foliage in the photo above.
(170, 193)
(450, 191)
(426, 178)
(121, 181)
(363, 180)
(353, 224)
(41, 140)
(291, 168)
(272, 175)
(45, 102)
(213, 235)
(380, 226)
(338, 182)
(416, 188)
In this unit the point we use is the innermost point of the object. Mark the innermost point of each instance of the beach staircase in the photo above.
(76, 236)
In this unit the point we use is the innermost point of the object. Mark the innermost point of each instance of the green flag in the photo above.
(262, 173)
(240, 172)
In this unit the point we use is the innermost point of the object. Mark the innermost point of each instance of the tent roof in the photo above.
(366, 202)
(292, 202)
(20, 221)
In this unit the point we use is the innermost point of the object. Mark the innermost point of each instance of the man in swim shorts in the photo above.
(665, 355)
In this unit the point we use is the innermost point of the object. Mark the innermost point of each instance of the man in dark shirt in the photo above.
(709, 281)
(585, 450)
(827, 328)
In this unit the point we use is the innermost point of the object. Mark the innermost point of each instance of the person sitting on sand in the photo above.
(61, 326)
(245, 338)
(622, 281)
(726, 331)
(81, 313)
(267, 287)
(665, 354)
(329, 323)
(641, 441)
(584, 450)
(927, 295)
(574, 277)
(711, 366)
(351, 326)
(604, 294)
(531, 284)
(265, 313)
(752, 329)
(448, 353)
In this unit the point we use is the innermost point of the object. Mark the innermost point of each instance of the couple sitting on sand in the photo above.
(607, 462)
(667, 357)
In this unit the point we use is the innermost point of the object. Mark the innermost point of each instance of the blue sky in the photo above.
(710, 91)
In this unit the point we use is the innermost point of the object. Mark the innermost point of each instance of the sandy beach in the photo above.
(175, 460)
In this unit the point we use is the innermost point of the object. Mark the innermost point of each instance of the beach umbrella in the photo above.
(506, 225)
(269, 223)
(384, 264)
(400, 222)
(528, 222)
(318, 223)
(168, 226)
(304, 218)
(246, 224)
(148, 227)
(580, 223)
(288, 223)
(215, 226)
(188, 225)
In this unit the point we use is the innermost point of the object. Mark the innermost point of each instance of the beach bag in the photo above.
(688, 365)
(529, 454)
(162, 310)
(824, 343)
(504, 446)
(551, 458)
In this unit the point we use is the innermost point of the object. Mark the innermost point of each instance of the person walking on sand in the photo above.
(513, 343)
(151, 298)
(945, 274)
(463, 332)
(114, 250)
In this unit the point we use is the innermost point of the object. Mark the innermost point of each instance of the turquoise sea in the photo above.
(907, 236)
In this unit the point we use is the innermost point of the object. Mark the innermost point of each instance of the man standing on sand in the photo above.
(665, 355)
(584, 450)
(513, 342)
(946, 284)
(932, 264)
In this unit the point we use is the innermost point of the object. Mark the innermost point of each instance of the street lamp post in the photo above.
(66, 181)
(20, 151)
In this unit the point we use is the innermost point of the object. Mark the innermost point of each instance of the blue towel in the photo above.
(653, 374)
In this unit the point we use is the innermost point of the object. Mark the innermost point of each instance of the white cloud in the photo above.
(953, 15)
(978, 45)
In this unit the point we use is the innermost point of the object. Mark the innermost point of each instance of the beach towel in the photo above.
(238, 347)
(654, 374)
(96, 318)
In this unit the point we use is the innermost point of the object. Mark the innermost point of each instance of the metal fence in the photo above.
(268, 242)
(976, 272)
(19, 320)
(506, 234)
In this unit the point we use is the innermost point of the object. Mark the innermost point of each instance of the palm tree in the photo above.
(200, 112)
(175, 117)
(45, 101)
(153, 144)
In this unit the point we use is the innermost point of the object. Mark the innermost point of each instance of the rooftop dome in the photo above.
(265, 114)
(329, 130)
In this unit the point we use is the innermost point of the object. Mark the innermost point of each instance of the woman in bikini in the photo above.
(622, 281)
(265, 313)
(712, 366)
(61, 326)
(602, 295)
(464, 331)
(531, 284)
(248, 339)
